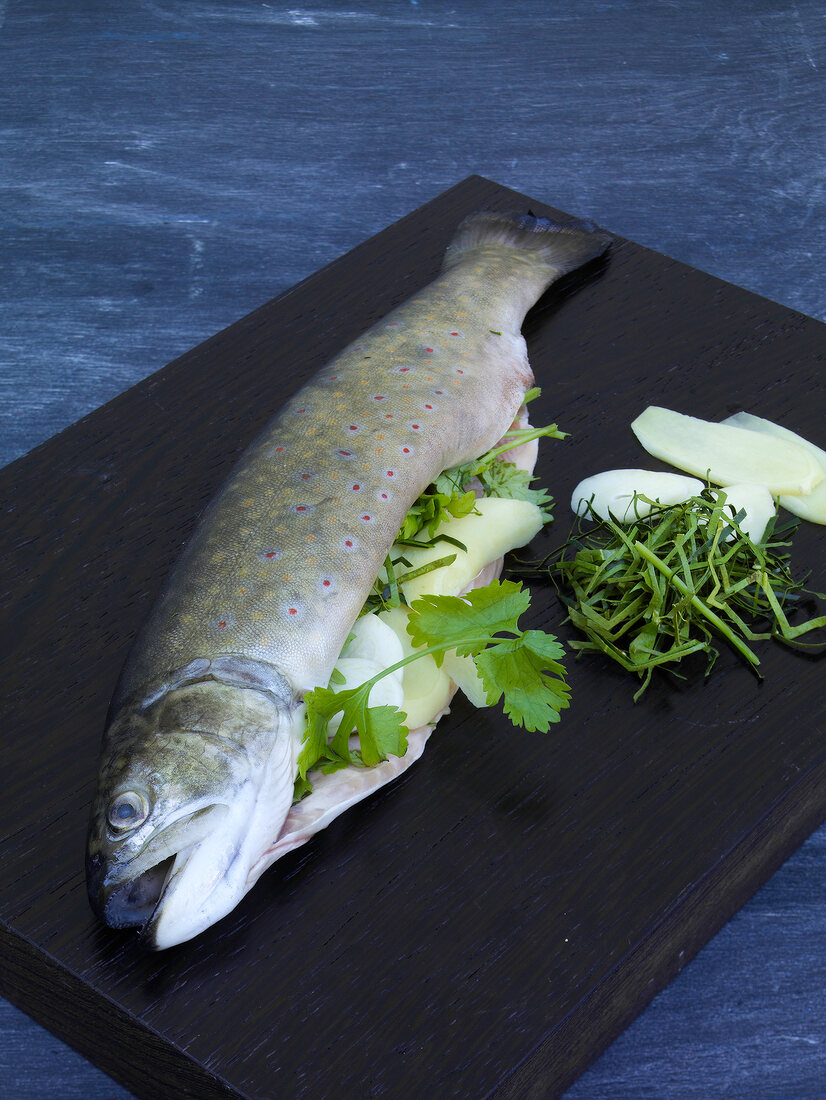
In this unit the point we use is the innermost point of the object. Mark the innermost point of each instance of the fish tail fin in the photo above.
(562, 246)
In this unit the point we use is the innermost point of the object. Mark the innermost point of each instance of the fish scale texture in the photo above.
(284, 557)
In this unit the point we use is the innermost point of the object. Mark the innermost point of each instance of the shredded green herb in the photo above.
(387, 589)
(652, 593)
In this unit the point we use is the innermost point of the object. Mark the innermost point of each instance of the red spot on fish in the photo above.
(428, 406)
(354, 428)
(378, 397)
(415, 427)
(348, 543)
(301, 507)
(278, 450)
(345, 454)
(326, 583)
(271, 554)
(306, 477)
(429, 351)
(292, 610)
(454, 334)
(391, 473)
(439, 393)
(366, 518)
(384, 496)
(302, 410)
(459, 370)
(388, 416)
(222, 623)
(403, 370)
(405, 450)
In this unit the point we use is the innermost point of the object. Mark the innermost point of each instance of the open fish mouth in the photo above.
(132, 893)
(184, 878)
(132, 903)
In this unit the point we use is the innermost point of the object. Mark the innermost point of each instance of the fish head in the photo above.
(182, 785)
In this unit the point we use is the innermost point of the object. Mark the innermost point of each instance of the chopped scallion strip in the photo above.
(649, 594)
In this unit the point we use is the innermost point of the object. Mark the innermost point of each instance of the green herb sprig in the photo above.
(523, 670)
(520, 667)
(650, 594)
(450, 495)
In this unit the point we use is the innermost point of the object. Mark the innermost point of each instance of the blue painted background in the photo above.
(167, 166)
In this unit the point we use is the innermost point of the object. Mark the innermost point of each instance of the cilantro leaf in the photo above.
(526, 671)
(314, 746)
(380, 729)
(468, 623)
(463, 505)
(522, 668)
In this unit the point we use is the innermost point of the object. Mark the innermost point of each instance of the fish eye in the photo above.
(128, 810)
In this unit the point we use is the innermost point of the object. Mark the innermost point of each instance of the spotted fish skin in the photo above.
(286, 554)
(282, 560)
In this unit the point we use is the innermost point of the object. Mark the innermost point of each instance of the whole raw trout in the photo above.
(199, 756)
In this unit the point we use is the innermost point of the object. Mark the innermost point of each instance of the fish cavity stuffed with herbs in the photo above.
(199, 761)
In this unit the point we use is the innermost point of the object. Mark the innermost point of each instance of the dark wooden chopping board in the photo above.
(486, 925)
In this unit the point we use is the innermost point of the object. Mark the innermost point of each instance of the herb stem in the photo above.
(517, 436)
(425, 651)
(697, 603)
